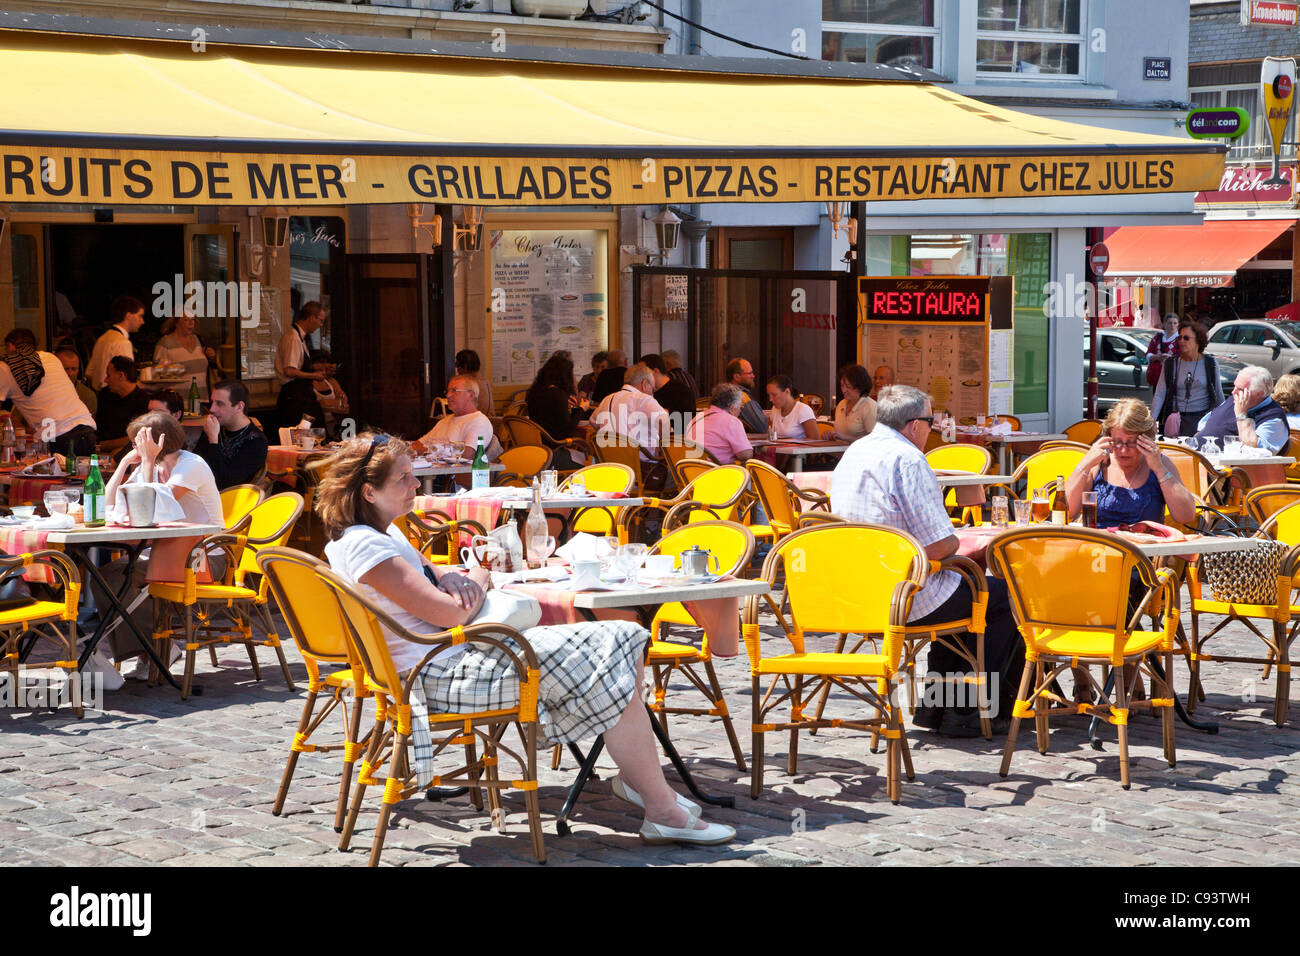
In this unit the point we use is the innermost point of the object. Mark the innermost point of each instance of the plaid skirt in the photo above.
(589, 672)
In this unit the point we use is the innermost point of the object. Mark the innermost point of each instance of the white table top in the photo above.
(634, 597)
(1241, 461)
(1206, 544)
(110, 533)
(798, 449)
(561, 502)
(430, 471)
(951, 480)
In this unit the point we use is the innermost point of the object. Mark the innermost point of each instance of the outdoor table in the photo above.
(428, 470)
(289, 457)
(78, 541)
(1263, 470)
(800, 448)
(30, 489)
(645, 601)
(968, 484)
(1025, 443)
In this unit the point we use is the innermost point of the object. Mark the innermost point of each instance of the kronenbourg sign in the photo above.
(1277, 84)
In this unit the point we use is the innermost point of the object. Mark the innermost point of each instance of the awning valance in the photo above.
(95, 119)
(1194, 257)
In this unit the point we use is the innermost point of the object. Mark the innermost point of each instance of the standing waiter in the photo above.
(292, 368)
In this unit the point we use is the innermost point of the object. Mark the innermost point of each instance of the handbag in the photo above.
(1245, 577)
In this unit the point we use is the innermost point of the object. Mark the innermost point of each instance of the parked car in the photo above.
(1275, 345)
(1122, 366)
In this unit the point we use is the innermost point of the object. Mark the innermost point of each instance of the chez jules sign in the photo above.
(115, 176)
(1244, 186)
(923, 299)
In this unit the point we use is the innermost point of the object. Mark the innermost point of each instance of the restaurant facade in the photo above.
(520, 251)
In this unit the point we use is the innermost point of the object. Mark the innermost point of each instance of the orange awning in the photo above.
(1194, 257)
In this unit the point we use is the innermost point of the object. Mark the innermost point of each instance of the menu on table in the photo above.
(549, 291)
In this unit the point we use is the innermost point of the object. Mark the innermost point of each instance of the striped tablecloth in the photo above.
(15, 541)
(811, 480)
(486, 511)
(288, 457)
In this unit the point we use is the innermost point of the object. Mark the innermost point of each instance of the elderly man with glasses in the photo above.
(884, 479)
(1250, 415)
(465, 425)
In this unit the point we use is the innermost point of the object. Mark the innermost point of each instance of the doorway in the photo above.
(389, 339)
(91, 265)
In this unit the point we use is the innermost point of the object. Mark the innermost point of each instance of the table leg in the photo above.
(675, 758)
(118, 607)
(426, 484)
(797, 463)
(584, 773)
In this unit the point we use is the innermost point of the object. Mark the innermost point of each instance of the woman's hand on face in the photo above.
(1098, 454)
(462, 588)
(1150, 451)
(150, 449)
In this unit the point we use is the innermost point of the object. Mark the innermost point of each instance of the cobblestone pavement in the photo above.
(155, 780)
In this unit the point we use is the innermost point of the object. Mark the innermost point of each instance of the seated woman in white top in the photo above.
(792, 418)
(590, 672)
(855, 415)
(1287, 394)
(158, 454)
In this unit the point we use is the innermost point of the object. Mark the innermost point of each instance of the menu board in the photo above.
(257, 345)
(548, 291)
(933, 331)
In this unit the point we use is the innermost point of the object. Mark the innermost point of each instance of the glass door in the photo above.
(210, 259)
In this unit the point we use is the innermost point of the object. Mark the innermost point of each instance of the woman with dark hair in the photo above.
(791, 417)
(855, 415)
(468, 363)
(591, 673)
(553, 403)
(1189, 384)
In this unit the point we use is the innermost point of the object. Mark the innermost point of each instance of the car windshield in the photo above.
(1290, 328)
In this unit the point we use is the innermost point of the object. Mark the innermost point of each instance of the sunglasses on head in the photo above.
(375, 442)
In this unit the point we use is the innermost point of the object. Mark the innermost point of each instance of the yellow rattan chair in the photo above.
(604, 477)
(1069, 590)
(1293, 470)
(237, 502)
(1282, 616)
(716, 494)
(678, 451)
(733, 545)
(1266, 500)
(1042, 468)
(783, 501)
(311, 614)
(960, 456)
(53, 622)
(688, 469)
(621, 450)
(390, 739)
(813, 401)
(1085, 431)
(521, 464)
(525, 431)
(1223, 488)
(437, 536)
(194, 609)
(831, 595)
(825, 430)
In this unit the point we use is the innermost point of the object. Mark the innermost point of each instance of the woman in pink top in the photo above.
(719, 428)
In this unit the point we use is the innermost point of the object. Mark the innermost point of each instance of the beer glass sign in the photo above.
(1277, 85)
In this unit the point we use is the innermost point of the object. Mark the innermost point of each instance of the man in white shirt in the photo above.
(127, 315)
(632, 411)
(465, 425)
(884, 479)
(44, 396)
(292, 352)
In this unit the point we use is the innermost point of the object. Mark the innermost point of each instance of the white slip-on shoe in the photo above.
(628, 795)
(657, 833)
(98, 663)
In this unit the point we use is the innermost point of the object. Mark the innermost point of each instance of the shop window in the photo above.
(315, 243)
(1029, 37)
(892, 32)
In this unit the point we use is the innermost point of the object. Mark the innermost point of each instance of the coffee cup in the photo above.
(660, 565)
(586, 573)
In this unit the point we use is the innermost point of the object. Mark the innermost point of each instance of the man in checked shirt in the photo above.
(885, 479)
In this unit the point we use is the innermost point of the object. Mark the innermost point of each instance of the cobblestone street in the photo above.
(154, 780)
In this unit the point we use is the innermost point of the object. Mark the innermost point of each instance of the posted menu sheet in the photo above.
(549, 291)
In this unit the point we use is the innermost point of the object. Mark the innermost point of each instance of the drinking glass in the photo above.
(607, 551)
(630, 558)
(999, 517)
(1042, 505)
(1089, 510)
(578, 486)
(549, 480)
(540, 547)
(1024, 512)
(55, 502)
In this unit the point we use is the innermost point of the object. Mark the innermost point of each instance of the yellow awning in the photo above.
(119, 120)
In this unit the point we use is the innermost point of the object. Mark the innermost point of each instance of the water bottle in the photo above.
(480, 474)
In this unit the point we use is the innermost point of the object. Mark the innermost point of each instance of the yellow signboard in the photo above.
(126, 176)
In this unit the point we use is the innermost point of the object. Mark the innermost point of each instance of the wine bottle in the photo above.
(194, 396)
(1060, 509)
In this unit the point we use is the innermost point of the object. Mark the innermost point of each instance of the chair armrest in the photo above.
(473, 634)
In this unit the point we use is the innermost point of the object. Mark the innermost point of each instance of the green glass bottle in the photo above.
(93, 498)
(194, 397)
(480, 474)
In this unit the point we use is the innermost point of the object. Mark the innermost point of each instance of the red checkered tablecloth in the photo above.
(14, 541)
